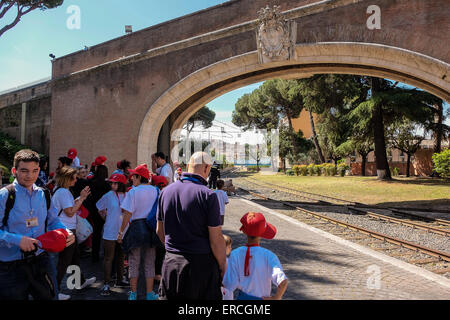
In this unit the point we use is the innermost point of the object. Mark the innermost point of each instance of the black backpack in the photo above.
(12, 199)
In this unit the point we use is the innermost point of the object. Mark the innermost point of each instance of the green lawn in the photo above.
(422, 192)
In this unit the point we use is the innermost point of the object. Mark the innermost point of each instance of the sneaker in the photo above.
(152, 296)
(132, 295)
(88, 282)
(106, 290)
(121, 284)
(62, 296)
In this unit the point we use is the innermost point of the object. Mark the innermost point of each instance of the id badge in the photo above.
(33, 222)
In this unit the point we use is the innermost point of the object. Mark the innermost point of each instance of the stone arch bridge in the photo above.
(125, 96)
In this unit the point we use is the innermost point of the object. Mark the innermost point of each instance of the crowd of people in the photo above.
(169, 217)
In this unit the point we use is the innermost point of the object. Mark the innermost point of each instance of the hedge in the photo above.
(442, 163)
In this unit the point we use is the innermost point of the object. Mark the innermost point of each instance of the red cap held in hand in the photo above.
(53, 241)
(83, 212)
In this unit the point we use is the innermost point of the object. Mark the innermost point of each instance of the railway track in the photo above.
(438, 226)
(411, 252)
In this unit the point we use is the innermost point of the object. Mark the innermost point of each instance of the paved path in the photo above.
(318, 267)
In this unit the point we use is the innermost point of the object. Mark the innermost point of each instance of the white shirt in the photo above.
(176, 176)
(139, 201)
(264, 266)
(166, 171)
(223, 200)
(76, 162)
(111, 202)
(63, 199)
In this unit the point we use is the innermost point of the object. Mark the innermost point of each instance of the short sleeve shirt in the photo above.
(166, 171)
(139, 201)
(63, 199)
(187, 208)
(265, 269)
(111, 203)
(223, 200)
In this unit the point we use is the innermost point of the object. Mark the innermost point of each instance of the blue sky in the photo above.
(25, 49)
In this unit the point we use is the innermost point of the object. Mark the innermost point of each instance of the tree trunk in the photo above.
(383, 172)
(408, 163)
(292, 135)
(315, 140)
(439, 131)
(363, 165)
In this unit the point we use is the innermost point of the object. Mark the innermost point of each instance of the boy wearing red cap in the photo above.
(72, 154)
(252, 268)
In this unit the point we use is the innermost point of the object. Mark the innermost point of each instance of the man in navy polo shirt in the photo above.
(190, 226)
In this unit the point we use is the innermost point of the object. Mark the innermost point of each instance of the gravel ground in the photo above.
(420, 237)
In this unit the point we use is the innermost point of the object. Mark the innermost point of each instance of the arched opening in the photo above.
(183, 99)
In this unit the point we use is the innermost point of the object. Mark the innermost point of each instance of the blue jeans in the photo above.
(52, 271)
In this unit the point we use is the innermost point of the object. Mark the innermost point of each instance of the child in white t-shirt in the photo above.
(252, 269)
(223, 198)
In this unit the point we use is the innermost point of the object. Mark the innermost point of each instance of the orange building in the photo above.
(303, 123)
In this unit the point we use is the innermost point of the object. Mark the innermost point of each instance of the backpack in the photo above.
(151, 218)
(12, 199)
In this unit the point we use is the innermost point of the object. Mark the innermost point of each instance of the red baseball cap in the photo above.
(100, 160)
(83, 212)
(140, 171)
(254, 224)
(51, 175)
(53, 241)
(117, 177)
(159, 181)
(72, 153)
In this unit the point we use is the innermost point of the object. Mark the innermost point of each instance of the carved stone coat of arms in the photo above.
(275, 36)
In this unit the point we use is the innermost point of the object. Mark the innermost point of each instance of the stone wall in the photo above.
(33, 128)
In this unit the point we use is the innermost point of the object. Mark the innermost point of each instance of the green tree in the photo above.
(23, 7)
(388, 103)
(268, 106)
(327, 93)
(441, 163)
(205, 115)
(303, 146)
(405, 136)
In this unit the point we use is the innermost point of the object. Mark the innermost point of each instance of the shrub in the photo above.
(395, 171)
(9, 147)
(290, 172)
(303, 170)
(296, 169)
(4, 173)
(329, 169)
(342, 168)
(318, 169)
(441, 163)
(311, 169)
